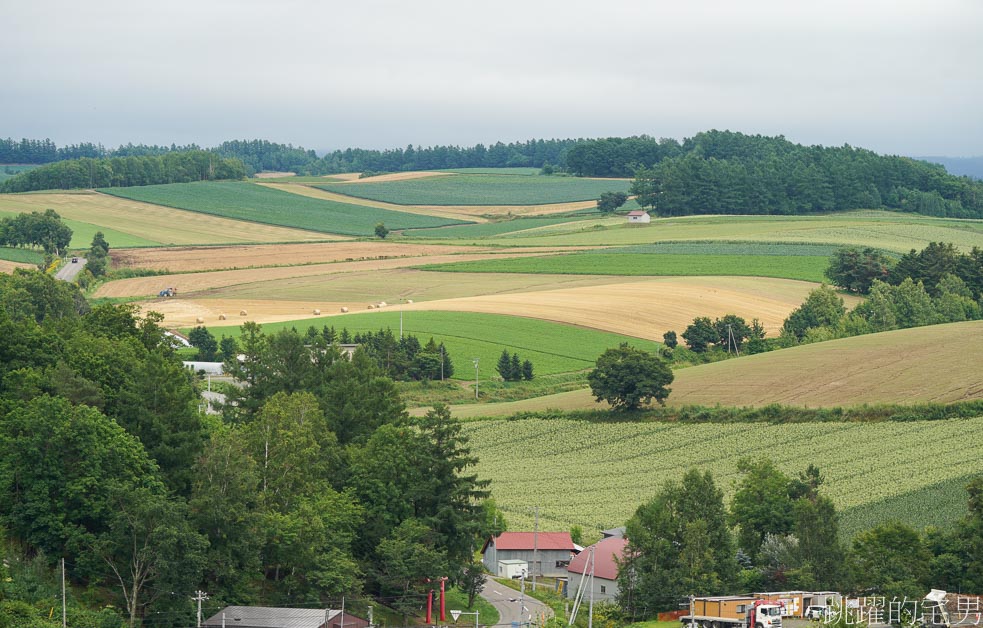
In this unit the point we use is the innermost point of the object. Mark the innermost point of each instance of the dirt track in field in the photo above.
(313, 192)
(188, 259)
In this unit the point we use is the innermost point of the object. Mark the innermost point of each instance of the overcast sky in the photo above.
(895, 76)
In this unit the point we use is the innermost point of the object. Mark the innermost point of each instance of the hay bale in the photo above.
(344, 310)
(383, 304)
(371, 306)
(317, 312)
(199, 320)
(221, 317)
(409, 300)
(242, 312)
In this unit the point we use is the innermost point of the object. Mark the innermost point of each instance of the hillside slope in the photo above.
(938, 363)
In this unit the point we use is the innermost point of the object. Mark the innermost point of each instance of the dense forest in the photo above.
(171, 167)
(721, 172)
(314, 484)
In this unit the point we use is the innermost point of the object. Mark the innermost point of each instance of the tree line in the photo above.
(723, 172)
(314, 483)
(781, 533)
(176, 167)
(44, 230)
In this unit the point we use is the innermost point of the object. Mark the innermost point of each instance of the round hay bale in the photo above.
(371, 306)
(344, 310)
(242, 313)
(199, 320)
(221, 317)
(317, 312)
(383, 304)
(409, 300)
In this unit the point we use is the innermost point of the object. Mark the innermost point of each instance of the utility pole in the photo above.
(475, 378)
(200, 596)
(535, 549)
(64, 610)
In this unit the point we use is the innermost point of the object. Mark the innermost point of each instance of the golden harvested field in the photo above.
(423, 287)
(926, 364)
(154, 222)
(647, 308)
(187, 259)
(8, 267)
(274, 175)
(196, 282)
(401, 176)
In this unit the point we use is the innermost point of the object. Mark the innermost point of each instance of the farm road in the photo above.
(506, 602)
(70, 270)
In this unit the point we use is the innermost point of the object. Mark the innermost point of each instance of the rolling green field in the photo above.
(246, 201)
(27, 256)
(552, 347)
(487, 229)
(596, 474)
(887, 231)
(805, 268)
(481, 189)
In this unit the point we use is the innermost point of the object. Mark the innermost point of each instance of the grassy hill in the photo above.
(481, 189)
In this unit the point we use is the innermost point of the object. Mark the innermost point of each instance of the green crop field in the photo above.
(596, 474)
(83, 232)
(478, 189)
(246, 201)
(514, 171)
(488, 229)
(641, 264)
(551, 347)
(26, 256)
(882, 230)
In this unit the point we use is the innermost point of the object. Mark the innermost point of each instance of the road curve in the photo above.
(506, 602)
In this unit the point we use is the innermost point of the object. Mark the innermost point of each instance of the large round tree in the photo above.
(627, 377)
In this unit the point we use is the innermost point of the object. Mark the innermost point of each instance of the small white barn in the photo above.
(639, 217)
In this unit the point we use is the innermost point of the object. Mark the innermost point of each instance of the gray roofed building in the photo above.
(271, 617)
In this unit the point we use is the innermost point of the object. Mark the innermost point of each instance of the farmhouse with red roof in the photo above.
(553, 552)
(606, 553)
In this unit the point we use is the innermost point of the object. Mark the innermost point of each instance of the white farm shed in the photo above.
(512, 568)
(639, 217)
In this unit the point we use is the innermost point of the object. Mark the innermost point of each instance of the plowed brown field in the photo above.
(186, 259)
(197, 282)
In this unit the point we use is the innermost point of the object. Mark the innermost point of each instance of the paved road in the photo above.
(506, 602)
(68, 271)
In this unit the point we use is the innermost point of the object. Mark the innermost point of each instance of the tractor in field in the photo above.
(168, 292)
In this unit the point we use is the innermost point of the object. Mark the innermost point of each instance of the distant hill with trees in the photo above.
(722, 172)
(714, 172)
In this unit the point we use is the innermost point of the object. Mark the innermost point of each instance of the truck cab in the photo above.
(765, 616)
